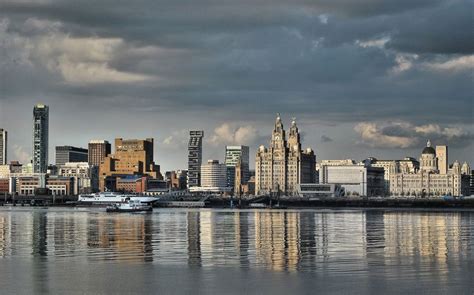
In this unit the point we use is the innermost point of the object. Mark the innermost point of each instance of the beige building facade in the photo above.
(131, 157)
(284, 165)
(434, 178)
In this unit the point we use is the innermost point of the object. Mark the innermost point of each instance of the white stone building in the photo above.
(432, 179)
(283, 166)
(356, 179)
(213, 178)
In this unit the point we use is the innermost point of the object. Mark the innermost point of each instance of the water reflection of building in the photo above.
(121, 237)
(277, 236)
(194, 239)
(40, 234)
(426, 239)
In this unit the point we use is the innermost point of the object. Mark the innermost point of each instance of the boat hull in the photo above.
(129, 210)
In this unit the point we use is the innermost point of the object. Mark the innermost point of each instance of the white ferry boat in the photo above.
(114, 197)
(129, 206)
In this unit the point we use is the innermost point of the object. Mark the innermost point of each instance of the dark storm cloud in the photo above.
(338, 62)
(325, 138)
(445, 29)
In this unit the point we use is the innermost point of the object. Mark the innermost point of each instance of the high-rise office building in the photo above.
(233, 156)
(40, 138)
(195, 158)
(98, 150)
(3, 146)
(131, 157)
(70, 154)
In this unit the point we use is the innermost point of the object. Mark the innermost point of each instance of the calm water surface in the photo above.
(205, 251)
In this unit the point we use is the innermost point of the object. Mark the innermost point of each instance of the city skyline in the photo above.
(213, 148)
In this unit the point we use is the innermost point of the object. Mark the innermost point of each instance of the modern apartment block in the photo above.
(70, 154)
(40, 138)
(3, 146)
(98, 150)
(195, 158)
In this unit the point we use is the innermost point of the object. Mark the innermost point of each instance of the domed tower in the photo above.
(428, 159)
(294, 142)
(465, 169)
(456, 168)
(278, 136)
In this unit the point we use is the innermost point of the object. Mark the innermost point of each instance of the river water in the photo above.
(209, 251)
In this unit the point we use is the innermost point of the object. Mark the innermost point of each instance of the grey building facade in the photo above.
(3, 146)
(235, 155)
(66, 154)
(40, 138)
(195, 157)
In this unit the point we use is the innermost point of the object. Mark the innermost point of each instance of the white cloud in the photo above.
(371, 134)
(404, 62)
(75, 60)
(456, 64)
(239, 135)
(405, 135)
(379, 43)
(20, 154)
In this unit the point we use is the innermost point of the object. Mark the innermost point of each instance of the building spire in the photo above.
(428, 144)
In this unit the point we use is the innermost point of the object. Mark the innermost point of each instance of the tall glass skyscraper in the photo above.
(238, 154)
(40, 138)
(195, 158)
(3, 146)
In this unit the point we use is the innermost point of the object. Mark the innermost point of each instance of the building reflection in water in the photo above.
(307, 240)
(277, 239)
(120, 237)
(426, 239)
(194, 238)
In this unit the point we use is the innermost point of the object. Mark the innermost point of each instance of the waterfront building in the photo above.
(3, 146)
(70, 154)
(355, 179)
(15, 167)
(27, 183)
(86, 177)
(317, 191)
(284, 165)
(237, 155)
(52, 170)
(472, 183)
(40, 138)
(195, 158)
(177, 179)
(345, 162)
(60, 186)
(131, 157)
(98, 150)
(408, 165)
(431, 180)
(442, 158)
(465, 169)
(27, 168)
(4, 186)
(4, 171)
(213, 178)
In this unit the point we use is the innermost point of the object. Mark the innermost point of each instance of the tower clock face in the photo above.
(277, 137)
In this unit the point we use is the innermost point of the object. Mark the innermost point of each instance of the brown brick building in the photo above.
(131, 157)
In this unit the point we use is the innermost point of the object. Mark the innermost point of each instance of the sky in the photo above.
(362, 78)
